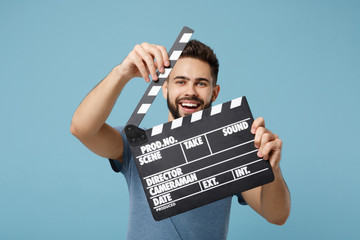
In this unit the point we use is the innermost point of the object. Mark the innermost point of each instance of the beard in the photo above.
(174, 109)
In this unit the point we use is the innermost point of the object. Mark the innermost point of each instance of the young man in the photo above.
(190, 87)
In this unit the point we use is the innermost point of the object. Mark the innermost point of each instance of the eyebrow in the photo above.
(196, 79)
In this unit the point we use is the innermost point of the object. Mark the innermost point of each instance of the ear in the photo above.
(215, 93)
(165, 89)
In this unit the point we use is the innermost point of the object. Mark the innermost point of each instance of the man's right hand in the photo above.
(88, 123)
(143, 61)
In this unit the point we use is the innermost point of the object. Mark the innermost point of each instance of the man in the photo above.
(190, 87)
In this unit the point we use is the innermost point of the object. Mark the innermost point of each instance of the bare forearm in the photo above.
(93, 111)
(275, 200)
(88, 123)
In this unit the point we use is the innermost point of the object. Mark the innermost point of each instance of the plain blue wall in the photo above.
(298, 63)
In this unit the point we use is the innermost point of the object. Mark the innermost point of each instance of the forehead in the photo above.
(191, 68)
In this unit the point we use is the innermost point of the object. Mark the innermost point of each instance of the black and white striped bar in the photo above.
(198, 159)
(154, 87)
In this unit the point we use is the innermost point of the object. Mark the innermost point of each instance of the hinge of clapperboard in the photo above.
(135, 135)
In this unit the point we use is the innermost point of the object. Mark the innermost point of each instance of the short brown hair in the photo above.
(198, 50)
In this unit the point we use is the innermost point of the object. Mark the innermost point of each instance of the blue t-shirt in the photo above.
(207, 222)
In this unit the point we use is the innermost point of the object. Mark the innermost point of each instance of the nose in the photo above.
(191, 89)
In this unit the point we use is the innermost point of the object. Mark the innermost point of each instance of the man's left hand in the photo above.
(268, 143)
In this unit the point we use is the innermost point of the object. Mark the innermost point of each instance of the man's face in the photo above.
(189, 88)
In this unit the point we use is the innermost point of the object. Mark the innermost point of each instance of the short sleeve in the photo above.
(241, 200)
(116, 165)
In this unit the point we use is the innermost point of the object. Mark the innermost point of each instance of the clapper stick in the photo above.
(197, 159)
(154, 87)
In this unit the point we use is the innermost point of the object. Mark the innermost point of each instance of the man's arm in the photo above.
(88, 123)
(272, 200)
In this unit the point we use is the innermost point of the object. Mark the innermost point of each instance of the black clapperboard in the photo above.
(196, 159)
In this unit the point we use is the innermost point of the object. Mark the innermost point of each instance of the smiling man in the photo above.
(190, 87)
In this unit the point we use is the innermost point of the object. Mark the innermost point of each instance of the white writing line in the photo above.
(182, 149)
(208, 144)
(200, 186)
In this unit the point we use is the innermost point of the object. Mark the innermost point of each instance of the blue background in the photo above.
(298, 63)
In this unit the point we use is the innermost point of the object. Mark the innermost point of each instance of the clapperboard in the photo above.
(196, 159)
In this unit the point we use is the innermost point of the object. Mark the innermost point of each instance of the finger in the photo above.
(259, 122)
(164, 54)
(272, 149)
(156, 53)
(266, 138)
(160, 54)
(259, 132)
(148, 59)
(140, 66)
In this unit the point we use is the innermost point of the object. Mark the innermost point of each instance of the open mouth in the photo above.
(186, 106)
(190, 105)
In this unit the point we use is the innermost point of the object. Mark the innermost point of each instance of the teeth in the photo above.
(189, 105)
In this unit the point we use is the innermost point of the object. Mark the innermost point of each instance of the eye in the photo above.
(180, 82)
(201, 84)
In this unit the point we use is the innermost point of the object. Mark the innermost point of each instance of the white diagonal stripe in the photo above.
(196, 116)
(185, 37)
(166, 73)
(157, 130)
(176, 123)
(175, 55)
(235, 102)
(154, 91)
(216, 109)
(143, 109)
